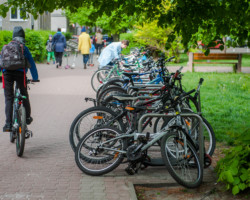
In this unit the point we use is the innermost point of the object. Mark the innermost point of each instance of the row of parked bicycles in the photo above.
(141, 117)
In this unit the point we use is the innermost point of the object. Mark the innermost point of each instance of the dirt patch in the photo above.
(207, 191)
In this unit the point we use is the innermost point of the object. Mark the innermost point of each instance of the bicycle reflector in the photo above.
(129, 108)
(98, 117)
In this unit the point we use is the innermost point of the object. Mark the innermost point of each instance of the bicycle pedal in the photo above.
(28, 134)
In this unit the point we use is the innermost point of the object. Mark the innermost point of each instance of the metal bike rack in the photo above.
(200, 138)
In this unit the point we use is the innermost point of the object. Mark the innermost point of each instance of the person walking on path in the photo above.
(84, 45)
(50, 50)
(59, 44)
(99, 38)
(91, 53)
(18, 75)
(111, 52)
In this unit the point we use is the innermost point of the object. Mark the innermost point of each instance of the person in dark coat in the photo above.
(19, 75)
(59, 42)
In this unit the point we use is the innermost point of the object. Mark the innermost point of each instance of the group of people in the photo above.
(86, 46)
(55, 46)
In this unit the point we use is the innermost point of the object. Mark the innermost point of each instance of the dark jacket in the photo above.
(60, 42)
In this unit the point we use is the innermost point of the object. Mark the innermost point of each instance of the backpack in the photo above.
(13, 56)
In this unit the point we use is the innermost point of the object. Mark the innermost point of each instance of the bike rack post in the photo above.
(200, 138)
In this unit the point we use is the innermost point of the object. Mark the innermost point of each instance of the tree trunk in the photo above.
(116, 37)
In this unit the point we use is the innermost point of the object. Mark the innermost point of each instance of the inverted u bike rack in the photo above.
(170, 115)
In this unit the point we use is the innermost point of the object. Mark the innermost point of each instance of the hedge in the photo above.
(35, 41)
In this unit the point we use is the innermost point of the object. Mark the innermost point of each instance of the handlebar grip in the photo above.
(201, 81)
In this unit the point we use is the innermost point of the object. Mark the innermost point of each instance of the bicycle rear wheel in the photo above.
(89, 119)
(181, 159)
(20, 132)
(95, 158)
(101, 76)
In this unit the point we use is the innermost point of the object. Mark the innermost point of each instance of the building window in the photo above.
(17, 14)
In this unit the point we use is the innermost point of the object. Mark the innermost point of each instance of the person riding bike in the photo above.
(19, 75)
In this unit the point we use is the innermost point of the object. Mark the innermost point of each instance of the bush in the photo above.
(234, 168)
(36, 44)
(5, 38)
(35, 41)
(132, 42)
(67, 35)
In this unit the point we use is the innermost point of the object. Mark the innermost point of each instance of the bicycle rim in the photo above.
(92, 159)
(181, 159)
(89, 119)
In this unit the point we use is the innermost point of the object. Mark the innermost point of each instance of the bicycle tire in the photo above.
(179, 164)
(111, 82)
(76, 133)
(110, 91)
(20, 133)
(99, 77)
(96, 161)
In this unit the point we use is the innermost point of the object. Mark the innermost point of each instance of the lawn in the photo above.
(184, 60)
(225, 99)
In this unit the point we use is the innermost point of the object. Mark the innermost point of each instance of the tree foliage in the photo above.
(192, 19)
(112, 24)
(151, 35)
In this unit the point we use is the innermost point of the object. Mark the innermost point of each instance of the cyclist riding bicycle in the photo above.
(19, 75)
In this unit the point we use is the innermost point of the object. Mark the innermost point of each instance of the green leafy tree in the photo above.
(150, 34)
(111, 24)
(216, 18)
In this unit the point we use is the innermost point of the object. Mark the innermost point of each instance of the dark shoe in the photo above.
(56, 66)
(29, 120)
(7, 128)
(85, 66)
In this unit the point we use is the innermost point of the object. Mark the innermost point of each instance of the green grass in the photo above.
(184, 60)
(225, 100)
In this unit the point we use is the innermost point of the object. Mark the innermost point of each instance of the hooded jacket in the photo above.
(59, 41)
(19, 35)
(84, 43)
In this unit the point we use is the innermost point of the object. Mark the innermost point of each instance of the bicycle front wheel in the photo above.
(181, 159)
(20, 132)
(98, 152)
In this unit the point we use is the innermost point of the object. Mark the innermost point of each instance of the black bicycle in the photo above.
(19, 131)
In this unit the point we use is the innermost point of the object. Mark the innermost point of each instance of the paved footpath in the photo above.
(47, 169)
